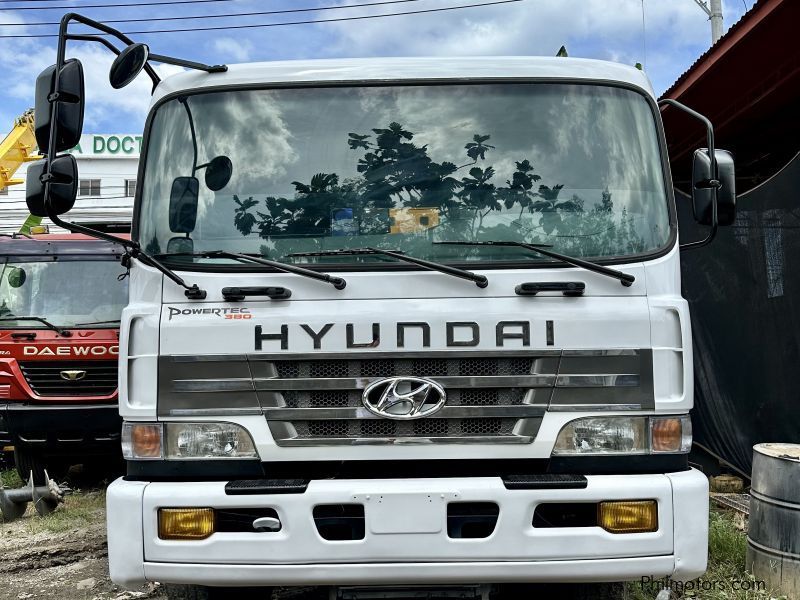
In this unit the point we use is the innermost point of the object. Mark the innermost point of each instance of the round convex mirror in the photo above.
(128, 65)
(16, 277)
(218, 173)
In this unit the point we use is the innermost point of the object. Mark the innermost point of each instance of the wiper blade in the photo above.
(624, 278)
(336, 282)
(480, 280)
(99, 322)
(59, 330)
(193, 292)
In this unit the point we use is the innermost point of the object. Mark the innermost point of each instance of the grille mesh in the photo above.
(435, 427)
(455, 397)
(373, 428)
(44, 377)
(469, 367)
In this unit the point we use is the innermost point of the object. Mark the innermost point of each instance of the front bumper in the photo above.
(63, 429)
(406, 539)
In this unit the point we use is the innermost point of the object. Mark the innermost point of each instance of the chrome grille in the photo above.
(45, 379)
(489, 399)
(464, 367)
(455, 397)
(492, 396)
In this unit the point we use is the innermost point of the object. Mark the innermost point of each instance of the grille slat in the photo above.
(45, 378)
(311, 410)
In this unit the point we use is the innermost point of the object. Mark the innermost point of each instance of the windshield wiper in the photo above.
(624, 278)
(48, 324)
(480, 280)
(193, 292)
(98, 322)
(336, 282)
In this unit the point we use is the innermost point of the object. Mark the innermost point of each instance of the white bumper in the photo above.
(406, 537)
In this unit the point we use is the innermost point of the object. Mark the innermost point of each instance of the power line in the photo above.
(284, 23)
(82, 6)
(223, 16)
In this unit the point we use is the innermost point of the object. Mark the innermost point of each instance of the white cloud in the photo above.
(24, 60)
(240, 50)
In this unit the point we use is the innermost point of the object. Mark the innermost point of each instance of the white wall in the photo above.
(94, 162)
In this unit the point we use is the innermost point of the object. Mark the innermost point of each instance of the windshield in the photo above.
(399, 167)
(65, 293)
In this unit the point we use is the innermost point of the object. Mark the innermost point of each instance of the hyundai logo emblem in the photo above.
(404, 398)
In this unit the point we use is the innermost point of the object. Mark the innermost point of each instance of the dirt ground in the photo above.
(63, 555)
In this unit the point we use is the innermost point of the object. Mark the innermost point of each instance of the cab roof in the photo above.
(17, 246)
(351, 70)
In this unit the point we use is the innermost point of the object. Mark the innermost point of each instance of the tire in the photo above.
(199, 592)
(27, 460)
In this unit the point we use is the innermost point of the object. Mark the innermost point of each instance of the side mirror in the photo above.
(180, 245)
(63, 186)
(218, 173)
(703, 189)
(128, 64)
(183, 204)
(71, 100)
(16, 277)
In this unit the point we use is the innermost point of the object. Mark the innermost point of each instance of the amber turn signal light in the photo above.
(640, 516)
(185, 523)
(666, 434)
(146, 440)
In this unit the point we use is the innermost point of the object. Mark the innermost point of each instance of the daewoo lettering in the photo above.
(71, 351)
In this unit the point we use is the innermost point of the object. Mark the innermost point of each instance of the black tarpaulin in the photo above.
(744, 294)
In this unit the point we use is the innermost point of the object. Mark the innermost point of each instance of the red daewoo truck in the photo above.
(60, 301)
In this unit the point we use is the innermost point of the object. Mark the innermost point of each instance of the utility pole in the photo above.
(714, 13)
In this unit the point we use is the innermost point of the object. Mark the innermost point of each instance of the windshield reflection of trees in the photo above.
(396, 173)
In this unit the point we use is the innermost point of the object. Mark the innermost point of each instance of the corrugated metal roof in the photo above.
(751, 14)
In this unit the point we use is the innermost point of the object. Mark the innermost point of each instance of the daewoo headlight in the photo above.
(625, 435)
(185, 441)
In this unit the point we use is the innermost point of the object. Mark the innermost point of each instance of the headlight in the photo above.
(625, 435)
(182, 441)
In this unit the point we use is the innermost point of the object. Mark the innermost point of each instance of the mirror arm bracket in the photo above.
(713, 183)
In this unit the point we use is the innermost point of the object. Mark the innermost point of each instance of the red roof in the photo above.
(748, 84)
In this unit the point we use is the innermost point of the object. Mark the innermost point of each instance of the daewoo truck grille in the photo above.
(71, 377)
(491, 397)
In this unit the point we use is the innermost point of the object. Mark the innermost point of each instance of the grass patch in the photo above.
(10, 478)
(727, 550)
(79, 509)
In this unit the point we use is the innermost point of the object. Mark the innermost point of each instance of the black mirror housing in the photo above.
(63, 186)
(180, 245)
(218, 173)
(703, 188)
(183, 200)
(71, 103)
(128, 64)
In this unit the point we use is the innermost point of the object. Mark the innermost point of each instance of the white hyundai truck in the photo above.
(399, 322)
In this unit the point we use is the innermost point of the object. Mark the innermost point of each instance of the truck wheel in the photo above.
(27, 460)
(199, 592)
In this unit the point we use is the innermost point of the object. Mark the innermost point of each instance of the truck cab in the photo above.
(60, 304)
(403, 322)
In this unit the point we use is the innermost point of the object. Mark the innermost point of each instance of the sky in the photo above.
(675, 33)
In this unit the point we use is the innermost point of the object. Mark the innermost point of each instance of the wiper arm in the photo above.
(624, 278)
(99, 322)
(193, 292)
(336, 282)
(59, 330)
(480, 280)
